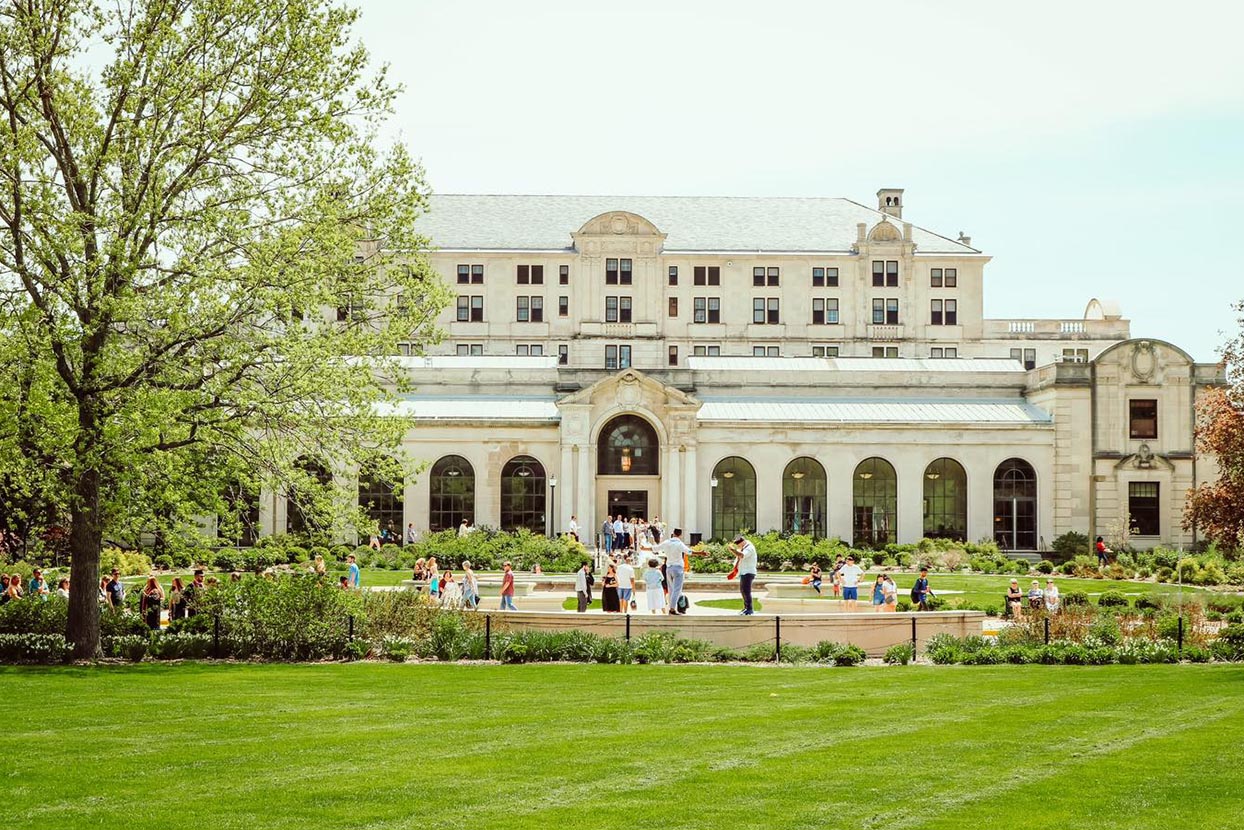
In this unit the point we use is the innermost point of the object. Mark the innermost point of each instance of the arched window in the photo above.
(380, 496)
(734, 497)
(803, 497)
(875, 497)
(628, 446)
(308, 512)
(451, 496)
(945, 500)
(1015, 505)
(523, 495)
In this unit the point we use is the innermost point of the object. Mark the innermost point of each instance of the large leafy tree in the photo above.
(198, 228)
(1217, 508)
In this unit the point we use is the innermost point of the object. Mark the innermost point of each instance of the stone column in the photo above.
(671, 484)
(567, 490)
(690, 514)
(585, 492)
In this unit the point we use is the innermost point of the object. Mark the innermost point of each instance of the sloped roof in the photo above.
(737, 224)
(910, 365)
(873, 412)
(474, 408)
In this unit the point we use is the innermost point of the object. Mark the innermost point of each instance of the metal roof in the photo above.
(474, 408)
(856, 364)
(728, 224)
(487, 361)
(873, 411)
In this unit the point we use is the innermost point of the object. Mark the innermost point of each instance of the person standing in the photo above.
(889, 593)
(626, 583)
(116, 591)
(573, 528)
(655, 593)
(410, 533)
(176, 600)
(62, 588)
(38, 585)
(619, 533)
(193, 594)
(609, 601)
(470, 586)
(150, 602)
(606, 534)
(658, 529)
(674, 552)
(1103, 552)
(464, 528)
(507, 588)
(850, 574)
(920, 592)
(356, 577)
(745, 561)
(583, 587)
(878, 592)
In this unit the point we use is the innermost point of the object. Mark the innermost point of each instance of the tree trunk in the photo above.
(86, 534)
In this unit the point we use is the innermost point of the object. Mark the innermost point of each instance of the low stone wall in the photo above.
(872, 632)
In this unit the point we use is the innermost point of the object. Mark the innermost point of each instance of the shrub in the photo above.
(1150, 601)
(129, 563)
(1070, 545)
(899, 654)
(1074, 598)
(132, 647)
(34, 648)
(840, 654)
(164, 562)
(397, 649)
(29, 617)
(180, 646)
(1113, 599)
(1164, 574)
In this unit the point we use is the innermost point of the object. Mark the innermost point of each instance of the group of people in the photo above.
(11, 587)
(1036, 600)
(623, 534)
(454, 593)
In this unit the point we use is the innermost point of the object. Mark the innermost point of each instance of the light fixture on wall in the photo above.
(453, 472)
(728, 474)
(712, 482)
(798, 474)
(552, 481)
(932, 476)
(523, 472)
(626, 459)
(866, 475)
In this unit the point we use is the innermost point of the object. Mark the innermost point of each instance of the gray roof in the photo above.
(693, 223)
(474, 408)
(1010, 413)
(909, 365)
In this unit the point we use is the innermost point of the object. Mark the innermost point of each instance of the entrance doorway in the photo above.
(629, 503)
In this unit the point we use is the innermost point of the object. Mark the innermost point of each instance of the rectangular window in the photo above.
(699, 313)
(673, 275)
(611, 357)
(673, 307)
(611, 272)
(766, 351)
(537, 350)
(824, 277)
(1144, 505)
(537, 275)
(706, 351)
(624, 309)
(775, 316)
(471, 349)
(878, 311)
(714, 309)
(472, 274)
(707, 310)
(818, 311)
(952, 351)
(758, 276)
(878, 273)
(885, 351)
(766, 276)
(563, 306)
(1143, 418)
(952, 312)
(464, 274)
(699, 351)
(706, 275)
(563, 355)
(1028, 357)
(831, 311)
(611, 309)
(939, 351)
(673, 356)
(625, 276)
(537, 309)
(563, 275)
(773, 277)
(936, 314)
(1075, 355)
(522, 349)
(617, 357)
(824, 351)
(477, 309)
(464, 309)
(758, 310)
(524, 274)
(935, 277)
(891, 312)
(523, 313)
(936, 351)
(952, 277)
(891, 273)
(463, 350)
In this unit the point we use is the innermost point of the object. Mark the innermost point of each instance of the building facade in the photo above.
(811, 365)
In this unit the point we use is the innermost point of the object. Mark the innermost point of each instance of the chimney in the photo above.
(861, 233)
(906, 231)
(890, 201)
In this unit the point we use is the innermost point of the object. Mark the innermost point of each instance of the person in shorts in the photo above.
(626, 583)
(850, 574)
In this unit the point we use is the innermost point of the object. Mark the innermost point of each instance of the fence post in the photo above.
(913, 636)
(488, 636)
(777, 652)
(1180, 647)
(628, 628)
(1047, 631)
(351, 628)
(216, 636)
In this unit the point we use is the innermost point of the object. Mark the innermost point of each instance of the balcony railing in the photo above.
(885, 332)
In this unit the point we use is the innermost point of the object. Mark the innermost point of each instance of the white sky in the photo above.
(1093, 148)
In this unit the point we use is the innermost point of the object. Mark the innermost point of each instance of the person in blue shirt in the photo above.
(920, 592)
(38, 586)
(355, 576)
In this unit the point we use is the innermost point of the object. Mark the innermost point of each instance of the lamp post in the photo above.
(553, 512)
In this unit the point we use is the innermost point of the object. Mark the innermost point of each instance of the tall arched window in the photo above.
(803, 497)
(945, 500)
(875, 498)
(451, 496)
(734, 497)
(523, 495)
(1015, 505)
(307, 512)
(628, 446)
(380, 496)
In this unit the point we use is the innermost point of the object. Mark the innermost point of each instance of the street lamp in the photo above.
(553, 512)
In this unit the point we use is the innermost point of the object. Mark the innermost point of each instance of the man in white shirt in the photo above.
(626, 583)
(410, 533)
(573, 528)
(619, 534)
(674, 550)
(850, 574)
(745, 555)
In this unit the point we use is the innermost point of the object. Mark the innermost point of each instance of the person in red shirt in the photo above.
(507, 589)
(1103, 552)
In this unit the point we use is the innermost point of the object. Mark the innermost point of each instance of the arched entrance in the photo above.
(628, 469)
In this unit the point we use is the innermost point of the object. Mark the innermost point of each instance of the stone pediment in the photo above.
(1144, 459)
(631, 387)
(619, 232)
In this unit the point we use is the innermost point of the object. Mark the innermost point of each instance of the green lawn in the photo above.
(539, 746)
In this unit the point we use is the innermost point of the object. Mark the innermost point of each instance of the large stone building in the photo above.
(814, 365)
